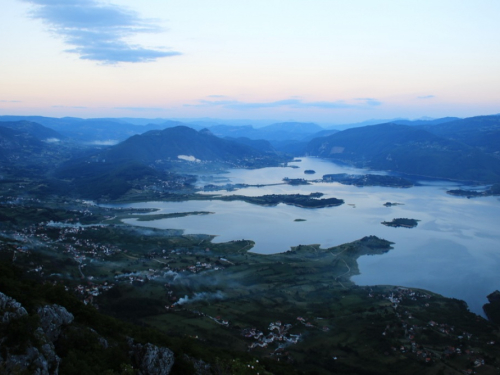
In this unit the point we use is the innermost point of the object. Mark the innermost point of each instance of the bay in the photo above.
(453, 251)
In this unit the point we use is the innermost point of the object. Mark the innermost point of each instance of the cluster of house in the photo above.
(91, 290)
(278, 332)
(168, 182)
(400, 294)
(139, 276)
(396, 297)
(66, 237)
(17, 200)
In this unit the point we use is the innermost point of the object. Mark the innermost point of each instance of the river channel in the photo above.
(454, 250)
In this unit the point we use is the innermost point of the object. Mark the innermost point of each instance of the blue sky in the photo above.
(327, 61)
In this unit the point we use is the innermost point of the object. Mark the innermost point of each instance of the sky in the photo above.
(324, 61)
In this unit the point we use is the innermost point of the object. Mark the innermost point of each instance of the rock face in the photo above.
(40, 362)
(52, 319)
(200, 366)
(492, 309)
(28, 342)
(151, 359)
(494, 297)
(10, 309)
(37, 357)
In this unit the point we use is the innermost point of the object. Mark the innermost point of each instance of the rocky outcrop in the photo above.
(28, 342)
(10, 309)
(37, 356)
(42, 361)
(200, 366)
(151, 359)
(492, 309)
(52, 320)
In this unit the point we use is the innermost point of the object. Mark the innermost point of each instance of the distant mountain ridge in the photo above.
(158, 155)
(119, 129)
(36, 130)
(181, 140)
(464, 149)
(27, 144)
(92, 130)
(278, 132)
(409, 150)
(482, 132)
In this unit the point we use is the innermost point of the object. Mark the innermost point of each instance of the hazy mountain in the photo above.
(36, 130)
(401, 121)
(276, 132)
(297, 147)
(322, 133)
(98, 130)
(17, 145)
(245, 131)
(408, 150)
(158, 154)
(482, 132)
(168, 144)
(29, 149)
(258, 144)
(289, 131)
(426, 122)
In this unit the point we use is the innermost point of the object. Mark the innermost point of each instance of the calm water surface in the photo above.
(453, 251)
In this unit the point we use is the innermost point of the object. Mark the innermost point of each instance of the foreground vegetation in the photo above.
(294, 312)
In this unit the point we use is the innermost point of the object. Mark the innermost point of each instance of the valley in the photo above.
(226, 248)
(299, 308)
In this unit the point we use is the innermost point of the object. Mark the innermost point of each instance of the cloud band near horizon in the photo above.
(358, 103)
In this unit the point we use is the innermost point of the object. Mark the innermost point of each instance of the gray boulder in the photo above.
(38, 360)
(52, 320)
(10, 309)
(151, 359)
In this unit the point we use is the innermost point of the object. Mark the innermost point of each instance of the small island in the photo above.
(368, 180)
(401, 222)
(295, 181)
(390, 204)
(299, 200)
(491, 191)
(309, 171)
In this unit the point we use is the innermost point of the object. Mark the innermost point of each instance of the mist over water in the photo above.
(453, 251)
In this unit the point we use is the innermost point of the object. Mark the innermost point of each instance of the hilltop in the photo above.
(169, 144)
(410, 150)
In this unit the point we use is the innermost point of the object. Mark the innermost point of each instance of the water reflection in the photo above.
(453, 251)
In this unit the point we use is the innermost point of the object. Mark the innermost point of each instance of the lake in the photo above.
(454, 250)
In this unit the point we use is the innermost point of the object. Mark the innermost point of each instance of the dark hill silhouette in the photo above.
(18, 145)
(36, 130)
(407, 150)
(258, 144)
(482, 132)
(180, 140)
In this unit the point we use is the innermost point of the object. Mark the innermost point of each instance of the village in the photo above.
(459, 343)
(188, 275)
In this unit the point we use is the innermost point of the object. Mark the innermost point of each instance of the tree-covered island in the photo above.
(368, 180)
(299, 200)
(491, 191)
(401, 222)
